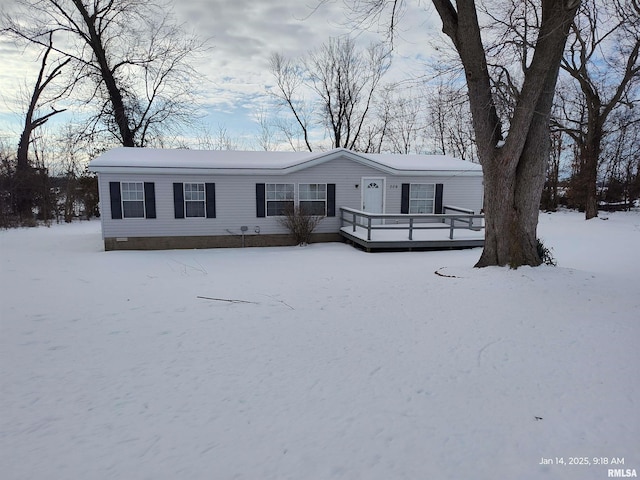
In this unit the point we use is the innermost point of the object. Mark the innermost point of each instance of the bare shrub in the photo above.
(300, 224)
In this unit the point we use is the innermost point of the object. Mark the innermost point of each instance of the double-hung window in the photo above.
(194, 199)
(312, 198)
(132, 199)
(422, 197)
(280, 198)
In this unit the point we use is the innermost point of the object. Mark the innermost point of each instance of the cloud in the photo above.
(243, 34)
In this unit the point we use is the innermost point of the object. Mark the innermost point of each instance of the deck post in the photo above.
(410, 228)
(451, 229)
(368, 228)
(354, 222)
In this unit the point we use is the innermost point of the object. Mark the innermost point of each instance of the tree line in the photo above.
(543, 93)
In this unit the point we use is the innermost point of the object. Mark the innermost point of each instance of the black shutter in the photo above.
(149, 200)
(438, 206)
(178, 200)
(116, 204)
(210, 192)
(260, 200)
(404, 199)
(331, 199)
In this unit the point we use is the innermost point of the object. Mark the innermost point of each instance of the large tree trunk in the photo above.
(514, 169)
(512, 203)
(23, 200)
(589, 174)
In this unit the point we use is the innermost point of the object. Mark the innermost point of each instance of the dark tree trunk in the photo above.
(584, 182)
(589, 168)
(514, 169)
(550, 191)
(127, 136)
(23, 200)
(589, 146)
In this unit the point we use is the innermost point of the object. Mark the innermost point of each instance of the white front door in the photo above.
(373, 196)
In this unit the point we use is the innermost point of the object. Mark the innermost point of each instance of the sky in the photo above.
(242, 35)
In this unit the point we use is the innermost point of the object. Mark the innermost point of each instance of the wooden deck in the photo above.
(413, 232)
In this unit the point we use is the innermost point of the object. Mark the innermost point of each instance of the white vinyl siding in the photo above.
(422, 197)
(236, 199)
(132, 195)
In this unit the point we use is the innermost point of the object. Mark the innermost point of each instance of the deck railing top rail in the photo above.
(458, 209)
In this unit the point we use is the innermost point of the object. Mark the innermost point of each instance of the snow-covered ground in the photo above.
(329, 363)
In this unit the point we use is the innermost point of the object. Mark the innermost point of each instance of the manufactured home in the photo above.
(166, 199)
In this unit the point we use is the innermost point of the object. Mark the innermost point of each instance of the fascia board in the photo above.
(438, 173)
(189, 171)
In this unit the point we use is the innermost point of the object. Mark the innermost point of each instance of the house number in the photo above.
(393, 186)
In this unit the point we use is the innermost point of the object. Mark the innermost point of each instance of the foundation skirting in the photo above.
(218, 241)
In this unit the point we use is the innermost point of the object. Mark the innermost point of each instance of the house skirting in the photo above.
(217, 241)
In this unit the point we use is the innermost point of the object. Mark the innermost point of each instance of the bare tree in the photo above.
(401, 120)
(42, 158)
(449, 120)
(514, 165)
(622, 161)
(266, 135)
(289, 84)
(550, 193)
(512, 143)
(7, 174)
(34, 118)
(69, 166)
(136, 57)
(603, 58)
(218, 140)
(343, 82)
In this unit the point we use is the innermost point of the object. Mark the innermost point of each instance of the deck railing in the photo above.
(412, 222)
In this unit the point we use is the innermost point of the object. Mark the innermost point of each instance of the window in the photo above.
(279, 198)
(313, 198)
(132, 199)
(194, 199)
(422, 198)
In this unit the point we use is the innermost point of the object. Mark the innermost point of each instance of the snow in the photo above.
(175, 158)
(230, 162)
(341, 364)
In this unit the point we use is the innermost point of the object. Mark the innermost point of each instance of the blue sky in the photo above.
(243, 34)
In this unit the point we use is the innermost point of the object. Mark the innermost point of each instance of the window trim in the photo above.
(261, 199)
(325, 200)
(122, 200)
(267, 200)
(204, 199)
(433, 199)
